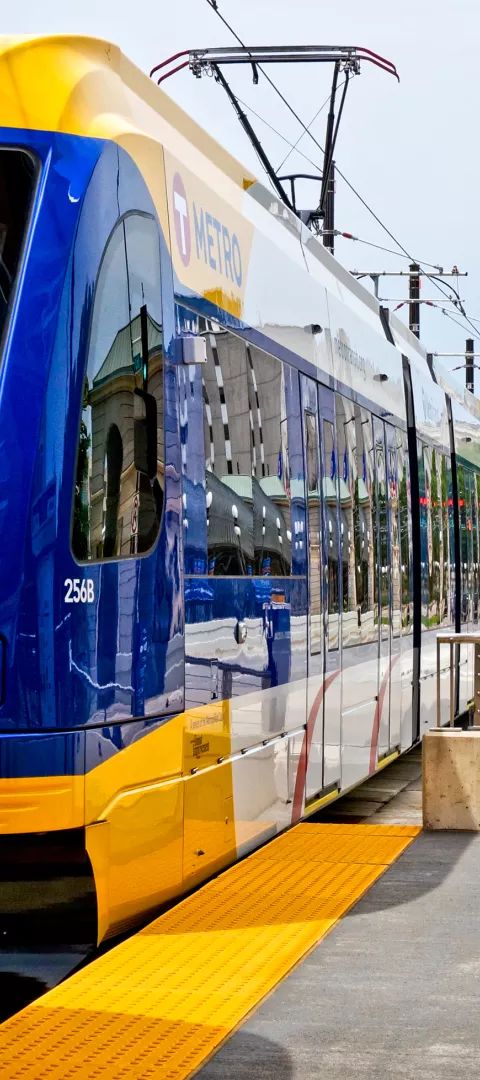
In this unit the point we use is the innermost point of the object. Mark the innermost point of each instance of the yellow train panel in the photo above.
(41, 803)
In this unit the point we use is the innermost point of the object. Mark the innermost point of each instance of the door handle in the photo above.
(214, 679)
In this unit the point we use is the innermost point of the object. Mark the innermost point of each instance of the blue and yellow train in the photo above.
(235, 501)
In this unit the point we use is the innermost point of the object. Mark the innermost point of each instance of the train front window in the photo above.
(119, 483)
(17, 182)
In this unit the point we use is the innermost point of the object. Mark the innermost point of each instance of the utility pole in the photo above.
(469, 365)
(329, 219)
(414, 297)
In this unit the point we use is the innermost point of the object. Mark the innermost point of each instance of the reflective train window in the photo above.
(247, 473)
(228, 464)
(470, 540)
(270, 464)
(330, 485)
(314, 519)
(464, 514)
(434, 534)
(17, 184)
(393, 487)
(381, 537)
(444, 546)
(434, 491)
(360, 480)
(424, 497)
(345, 427)
(120, 460)
(405, 526)
(476, 546)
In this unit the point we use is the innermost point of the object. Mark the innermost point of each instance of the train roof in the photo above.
(86, 86)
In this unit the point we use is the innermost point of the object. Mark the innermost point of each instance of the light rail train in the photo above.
(236, 501)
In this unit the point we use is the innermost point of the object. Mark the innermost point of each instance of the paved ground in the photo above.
(394, 992)
(392, 796)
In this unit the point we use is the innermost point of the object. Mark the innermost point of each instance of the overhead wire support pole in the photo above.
(469, 365)
(414, 296)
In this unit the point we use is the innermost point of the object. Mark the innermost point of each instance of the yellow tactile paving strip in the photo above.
(159, 1004)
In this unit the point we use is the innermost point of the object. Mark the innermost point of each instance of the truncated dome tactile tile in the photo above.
(160, 1003)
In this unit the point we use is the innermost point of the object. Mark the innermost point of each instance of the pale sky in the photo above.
(411, 149)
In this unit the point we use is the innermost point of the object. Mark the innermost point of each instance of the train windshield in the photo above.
(17, 181)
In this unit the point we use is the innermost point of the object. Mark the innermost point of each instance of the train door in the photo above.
(395, 718)
(323, 665)
(382, 595)
(359, 558)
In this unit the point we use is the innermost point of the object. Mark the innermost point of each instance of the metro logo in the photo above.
(215, 244)
(181, 218)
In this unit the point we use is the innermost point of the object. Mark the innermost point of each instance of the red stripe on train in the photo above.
(307, 741)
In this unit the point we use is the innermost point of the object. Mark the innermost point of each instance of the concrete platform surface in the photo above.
(393, 993)
(390, 797)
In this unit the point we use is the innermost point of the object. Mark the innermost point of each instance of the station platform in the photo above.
(339, 949)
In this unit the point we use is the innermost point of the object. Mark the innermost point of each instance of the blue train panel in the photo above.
(86, 641)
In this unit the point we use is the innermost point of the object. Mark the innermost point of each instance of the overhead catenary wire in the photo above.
(453, 319)
(380, 247)
(344, 234)
(294, 146)
(306, 131)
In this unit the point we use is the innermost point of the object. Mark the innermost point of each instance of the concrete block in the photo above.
(451, 779)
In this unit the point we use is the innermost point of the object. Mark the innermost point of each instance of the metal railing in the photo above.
(454, 641)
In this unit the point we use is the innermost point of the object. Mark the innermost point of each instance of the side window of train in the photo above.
(466, 483)
(119, 482)
(248, 496)
(434, 490)
(380, 536)
(449, 537)
(271, 479)
(367, 486)
(393, 489)
(470, 546)
(314, 525)
(364, 524)
(433, 535)
(228, 468)
(329, 484)
(405, 526)
(463, 541)
(424, 496)
(445, 608)
(476, 548)
(345, 428)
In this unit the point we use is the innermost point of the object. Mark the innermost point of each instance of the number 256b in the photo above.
(79, 591)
